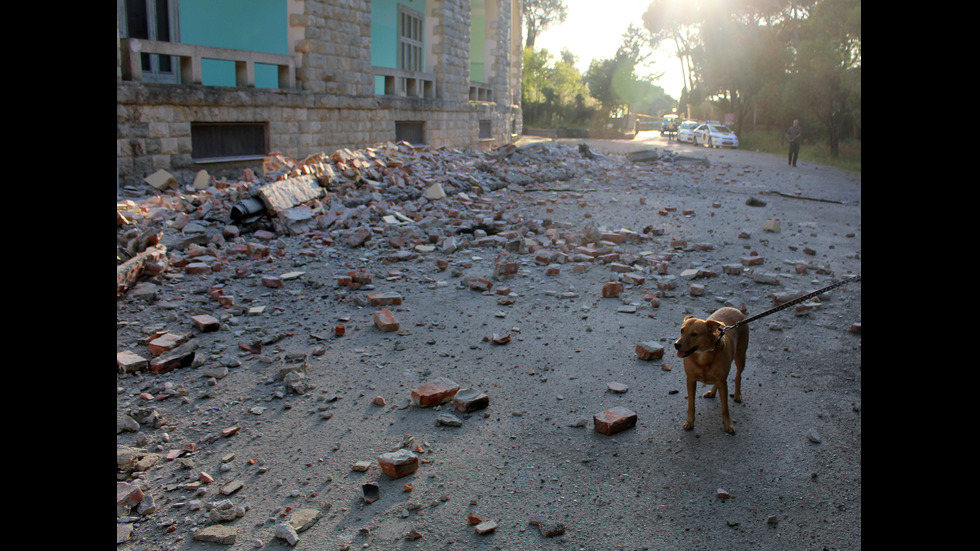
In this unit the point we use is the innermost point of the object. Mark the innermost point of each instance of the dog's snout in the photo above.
(677, 345)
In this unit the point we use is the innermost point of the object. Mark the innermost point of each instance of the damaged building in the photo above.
(217, 85)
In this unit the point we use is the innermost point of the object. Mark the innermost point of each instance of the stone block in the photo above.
(614, 420)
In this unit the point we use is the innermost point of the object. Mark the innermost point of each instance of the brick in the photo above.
(167, 341)
(614, 420)
(732, 269)
(697, 290)
(470, 399)
(384, 299)
(752, 260)
(385, 320)
(398, 463)
(130, 362)
(612, 289)
(478, 283)
(127, 494)
(438, 391)
(206, 323)
(650, 350)
(198, 268)
(182, 356)
(272, 282)
(620, 268)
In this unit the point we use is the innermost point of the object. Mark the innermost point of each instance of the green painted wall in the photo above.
(384, 34)
(253, 25)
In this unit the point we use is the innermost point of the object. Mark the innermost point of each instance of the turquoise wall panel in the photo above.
(384, 33)
(253, 25)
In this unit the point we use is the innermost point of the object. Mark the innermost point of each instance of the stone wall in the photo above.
(334, 106)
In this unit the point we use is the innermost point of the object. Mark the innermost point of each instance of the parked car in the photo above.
(665, 125)
(715, 135)
(685, 132)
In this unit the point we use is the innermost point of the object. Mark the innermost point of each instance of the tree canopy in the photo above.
(790, 59)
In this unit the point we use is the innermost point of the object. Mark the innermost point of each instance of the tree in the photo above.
(541, 14)
(678, 23)
(614, 82)
(827, 71)
(737, 57)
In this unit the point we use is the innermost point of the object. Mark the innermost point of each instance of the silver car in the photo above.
(685, 133)
(715, 135)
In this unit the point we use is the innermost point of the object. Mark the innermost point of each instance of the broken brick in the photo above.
(272, 282)
(398, 463)
(206, 323)
(385, 320)
(614, 420)
(384, 299)
(470, 399)
(439, 391)
(127, 494)
(650, 350)
(130, 362)
(167, 341)
(612, 289)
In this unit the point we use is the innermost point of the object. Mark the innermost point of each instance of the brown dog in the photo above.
(708, 354)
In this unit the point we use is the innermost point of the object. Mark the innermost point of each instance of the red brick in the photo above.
(650, 350)
(752, 260)
(166, 341)
(612, 289)
(399, 463)
(130, 362)
(439, 391)
(272, 281)
(128, 494)
(385, 320)
(697, 290)
(384, 299)
(206, 323)
(614, 420)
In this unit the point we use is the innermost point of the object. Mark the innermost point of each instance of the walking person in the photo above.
(794, 135)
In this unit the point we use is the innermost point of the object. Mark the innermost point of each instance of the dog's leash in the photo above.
(785, 305)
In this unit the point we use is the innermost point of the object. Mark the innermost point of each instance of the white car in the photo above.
(685, 133)
(715, 135)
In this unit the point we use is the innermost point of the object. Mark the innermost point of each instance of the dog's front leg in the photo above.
(691, 387)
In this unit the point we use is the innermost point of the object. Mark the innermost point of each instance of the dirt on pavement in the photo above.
(271, 437)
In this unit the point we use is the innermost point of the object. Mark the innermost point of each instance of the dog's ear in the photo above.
(687, 317)
(714, 326)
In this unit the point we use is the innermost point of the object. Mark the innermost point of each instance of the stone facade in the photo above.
(334, 103)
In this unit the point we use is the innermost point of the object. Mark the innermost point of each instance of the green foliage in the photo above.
(769, 62)
(553, 92)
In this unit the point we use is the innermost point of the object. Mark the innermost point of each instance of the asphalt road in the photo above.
(789, 478)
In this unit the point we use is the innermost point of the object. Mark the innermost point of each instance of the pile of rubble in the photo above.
(409, 199)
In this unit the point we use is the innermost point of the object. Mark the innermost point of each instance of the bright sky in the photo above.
(594, 30)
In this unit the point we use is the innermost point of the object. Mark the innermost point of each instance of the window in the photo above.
(228, 141)
(410, 31)
(485, 133)
(410, 131)
(151, 20)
